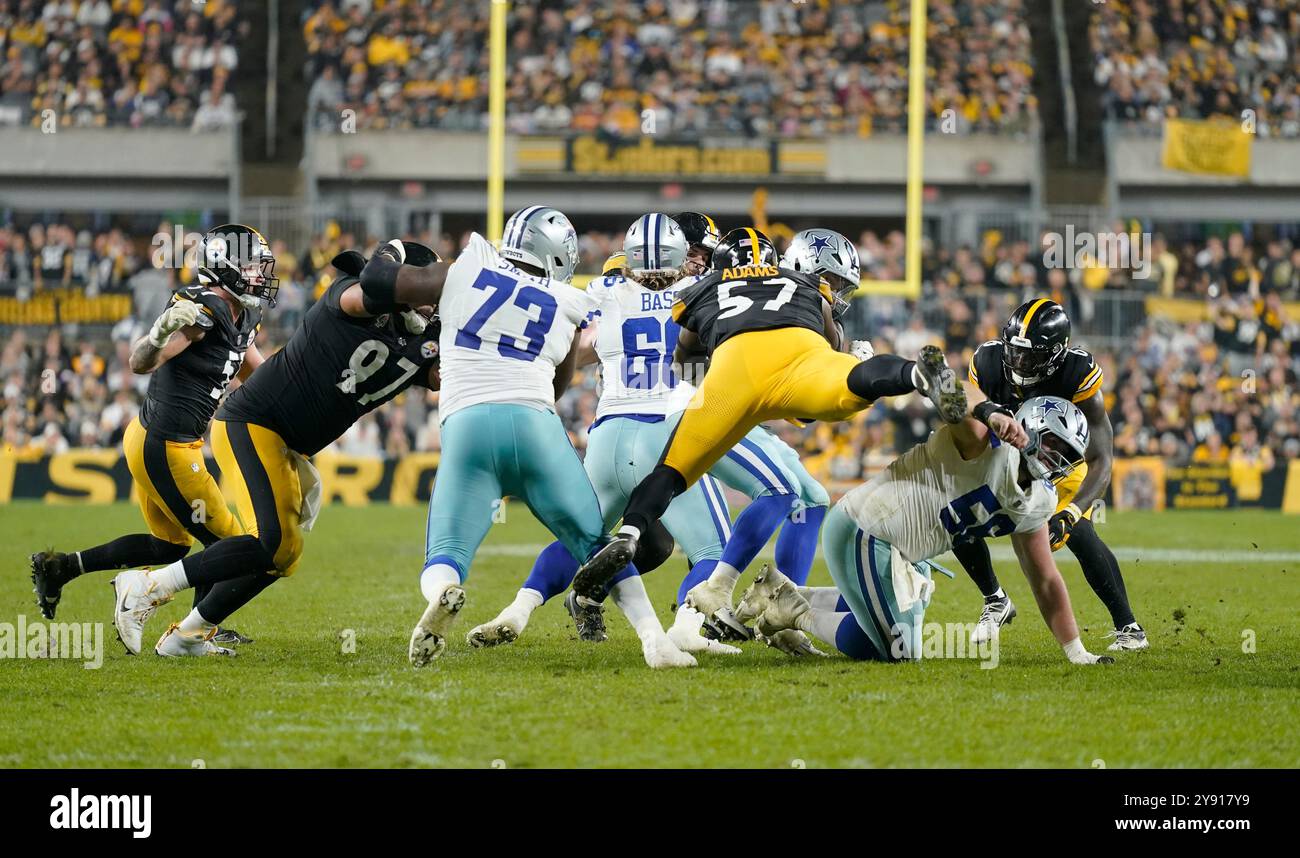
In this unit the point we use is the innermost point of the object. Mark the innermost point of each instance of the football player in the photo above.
(772, 345)
(964, 483)
(1034, 358)
(201, 341)
(355, 350)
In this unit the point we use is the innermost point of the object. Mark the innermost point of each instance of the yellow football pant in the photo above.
(262, 479)
(786, 373)
(179, 499)
(1068, 487)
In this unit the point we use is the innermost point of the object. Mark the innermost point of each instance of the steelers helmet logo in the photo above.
(428, 349)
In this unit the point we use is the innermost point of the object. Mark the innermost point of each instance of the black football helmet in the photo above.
(699, 228)
(1035, 341)
(744, 246)
(238, 259)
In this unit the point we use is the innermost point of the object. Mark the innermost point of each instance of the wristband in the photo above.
(987, 409)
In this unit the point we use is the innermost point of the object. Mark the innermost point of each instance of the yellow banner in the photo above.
(1207, 147)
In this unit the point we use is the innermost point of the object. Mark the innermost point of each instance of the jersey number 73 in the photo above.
(501, 288)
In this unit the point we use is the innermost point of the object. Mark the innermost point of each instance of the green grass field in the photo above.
(1200, 582)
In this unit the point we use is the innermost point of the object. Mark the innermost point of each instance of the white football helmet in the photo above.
(542, 236)
(654, 244)
(828, 254)
(1058, 436)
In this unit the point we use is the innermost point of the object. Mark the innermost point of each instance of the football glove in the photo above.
(1060, 525)
(179, 315)
(862, 350)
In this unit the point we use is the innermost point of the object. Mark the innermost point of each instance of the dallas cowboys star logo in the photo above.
(1052, 405)
(820, 242)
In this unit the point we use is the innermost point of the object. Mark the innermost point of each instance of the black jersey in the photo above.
(334, 369)
(1078, 378)
(183, 393)
(732, 301)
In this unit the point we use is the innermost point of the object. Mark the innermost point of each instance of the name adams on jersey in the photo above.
(732, 301)
(184, 392)
(1079, 378)
(334, 369)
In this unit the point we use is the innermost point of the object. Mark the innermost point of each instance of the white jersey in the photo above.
(503, 331)
(635, 339)
(929, 498)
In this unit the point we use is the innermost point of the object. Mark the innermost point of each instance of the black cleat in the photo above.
(589, 619)
(230, 636)
(941, 384)
(592, 580)
(48, 578)
(724, 626)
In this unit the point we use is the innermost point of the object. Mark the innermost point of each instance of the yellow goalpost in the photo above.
(910, 286)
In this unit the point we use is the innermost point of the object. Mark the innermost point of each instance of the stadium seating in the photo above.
(689, 68)
(128, 64)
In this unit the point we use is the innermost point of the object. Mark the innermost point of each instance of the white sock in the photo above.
(1076, 652)
(437, 578)
(632, 599)
(822, 625)
(918, 379)
(80, 565)
(688, 618)
(170, 578)
(194, 624)
(526, 601)
(724, 574)
(629, 530)
(1000, 594)
(821, 598)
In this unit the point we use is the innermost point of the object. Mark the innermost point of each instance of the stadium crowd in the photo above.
(1200, 59)
(738, 67)
(127, 63)
(1219, 389)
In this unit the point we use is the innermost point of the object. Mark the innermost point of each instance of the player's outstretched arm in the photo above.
(171, 333)
(1034, 551)
(386, 282)
(564, 369)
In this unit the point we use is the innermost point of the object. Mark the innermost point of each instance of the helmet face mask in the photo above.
(1026, 364)
(700, 231)
(656, 250)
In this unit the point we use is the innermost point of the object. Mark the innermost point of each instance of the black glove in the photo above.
(1060, 525)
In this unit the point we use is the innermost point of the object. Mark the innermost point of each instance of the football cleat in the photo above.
(784, 605)
(592, 580)
(937, 381)
(755, 599)
(789, 641)
(713, 600)
(1131, 638)
(660, 652)
(135, 599)
(175, 643)
(49, 574)
(429, 638)
(685, 634)
(588, 618)
(723, 626)
(997, 612)
(503, 629)
(230, 636)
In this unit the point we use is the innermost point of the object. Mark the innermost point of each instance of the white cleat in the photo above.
(429, 638)
(1131, 638)
(135, 601)
(709, 598)
(756, 598)
(784, 605)
(660, 652)
(175, 643)
(685, 634)
(505, 628)
(789, 641)
(995, 614)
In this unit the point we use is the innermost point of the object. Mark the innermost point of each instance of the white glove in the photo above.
(415, 323)
(177, 316)
(862, 350)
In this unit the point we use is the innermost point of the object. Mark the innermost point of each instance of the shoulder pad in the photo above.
(349, 262)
